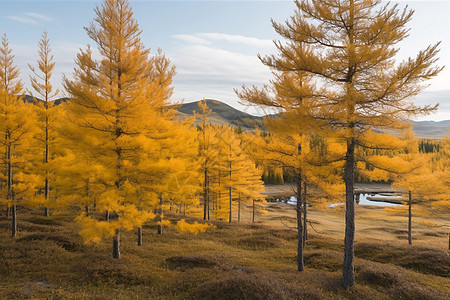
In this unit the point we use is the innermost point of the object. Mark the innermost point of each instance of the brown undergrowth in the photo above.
(48, 260)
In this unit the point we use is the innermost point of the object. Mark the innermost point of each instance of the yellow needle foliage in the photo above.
(119, 106)
(335, 75)
(48, 120)
(17, 184)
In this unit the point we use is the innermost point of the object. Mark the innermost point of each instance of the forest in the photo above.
(111, 194)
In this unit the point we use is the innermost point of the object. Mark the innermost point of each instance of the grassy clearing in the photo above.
(233, 261)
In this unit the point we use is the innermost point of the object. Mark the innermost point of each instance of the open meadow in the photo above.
(48, 259)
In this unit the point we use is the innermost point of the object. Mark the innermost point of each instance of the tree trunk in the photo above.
(305, 227)
(14, 221)
(239, 208)
(116, 244)
(87, 209)
(205, 195)
(230, 195)
(8, 211)
(106, 215)
(230, 205)
(253, 214)
(47, 190)
(46, 160)
(348, 276)
(298, 208)
(139, 236)
(409, 218)
(160, 227)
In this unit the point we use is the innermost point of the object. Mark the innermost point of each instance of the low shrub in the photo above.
(238, 285)
(419, 259)
(328, 260)
(183, 263)
(62, 241)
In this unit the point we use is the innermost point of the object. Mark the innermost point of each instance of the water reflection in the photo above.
(360, 199)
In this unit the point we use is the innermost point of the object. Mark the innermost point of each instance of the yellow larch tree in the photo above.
(46, 112)
(240, 177)
(347, 50)
(427, 183)
(207, 154)
(16, 132)
(119, 103)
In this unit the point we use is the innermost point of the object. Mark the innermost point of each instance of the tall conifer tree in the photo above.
(15, 135)
(46, 112)
(119, 104)
(347, 48)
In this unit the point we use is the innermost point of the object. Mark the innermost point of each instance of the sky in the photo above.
(213, 44)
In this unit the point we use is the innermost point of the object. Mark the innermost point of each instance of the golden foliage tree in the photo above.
(118, 103)
(47, 113)
(16, 124)
(347, 48)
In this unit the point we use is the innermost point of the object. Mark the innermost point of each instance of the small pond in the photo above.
(383, 199)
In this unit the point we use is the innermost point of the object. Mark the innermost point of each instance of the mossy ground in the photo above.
(48, 260)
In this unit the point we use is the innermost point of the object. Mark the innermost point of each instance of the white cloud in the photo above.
(211, 65)
(23, 20)
(239, 39)
(220, 65)
(30, 18)
(41, 17)
(208, 38)
(191, 39)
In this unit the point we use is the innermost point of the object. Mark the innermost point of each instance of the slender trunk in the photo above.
(348, 276)
(14, 221)
(230, 195)
(139, 236)
(298, 209)
(8, 211)
(160, 227)
(46, 154)
(219, 194)
(47, 194)
(239, 208)
(305, 227)
(205, 194)
(253, 214)
(10, 195)
(409, 219)
(229, 220)
(88, 195)
(116, 244)
(107, 215)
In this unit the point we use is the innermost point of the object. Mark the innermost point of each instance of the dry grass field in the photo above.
(48, 260)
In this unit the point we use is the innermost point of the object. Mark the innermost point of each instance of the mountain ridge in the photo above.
(224, 114)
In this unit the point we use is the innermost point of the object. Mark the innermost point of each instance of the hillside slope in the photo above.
(227, 115)
(224, 114)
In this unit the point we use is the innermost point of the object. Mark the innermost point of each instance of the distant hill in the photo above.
(223, 114)
(31, 99)
(431, 129)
